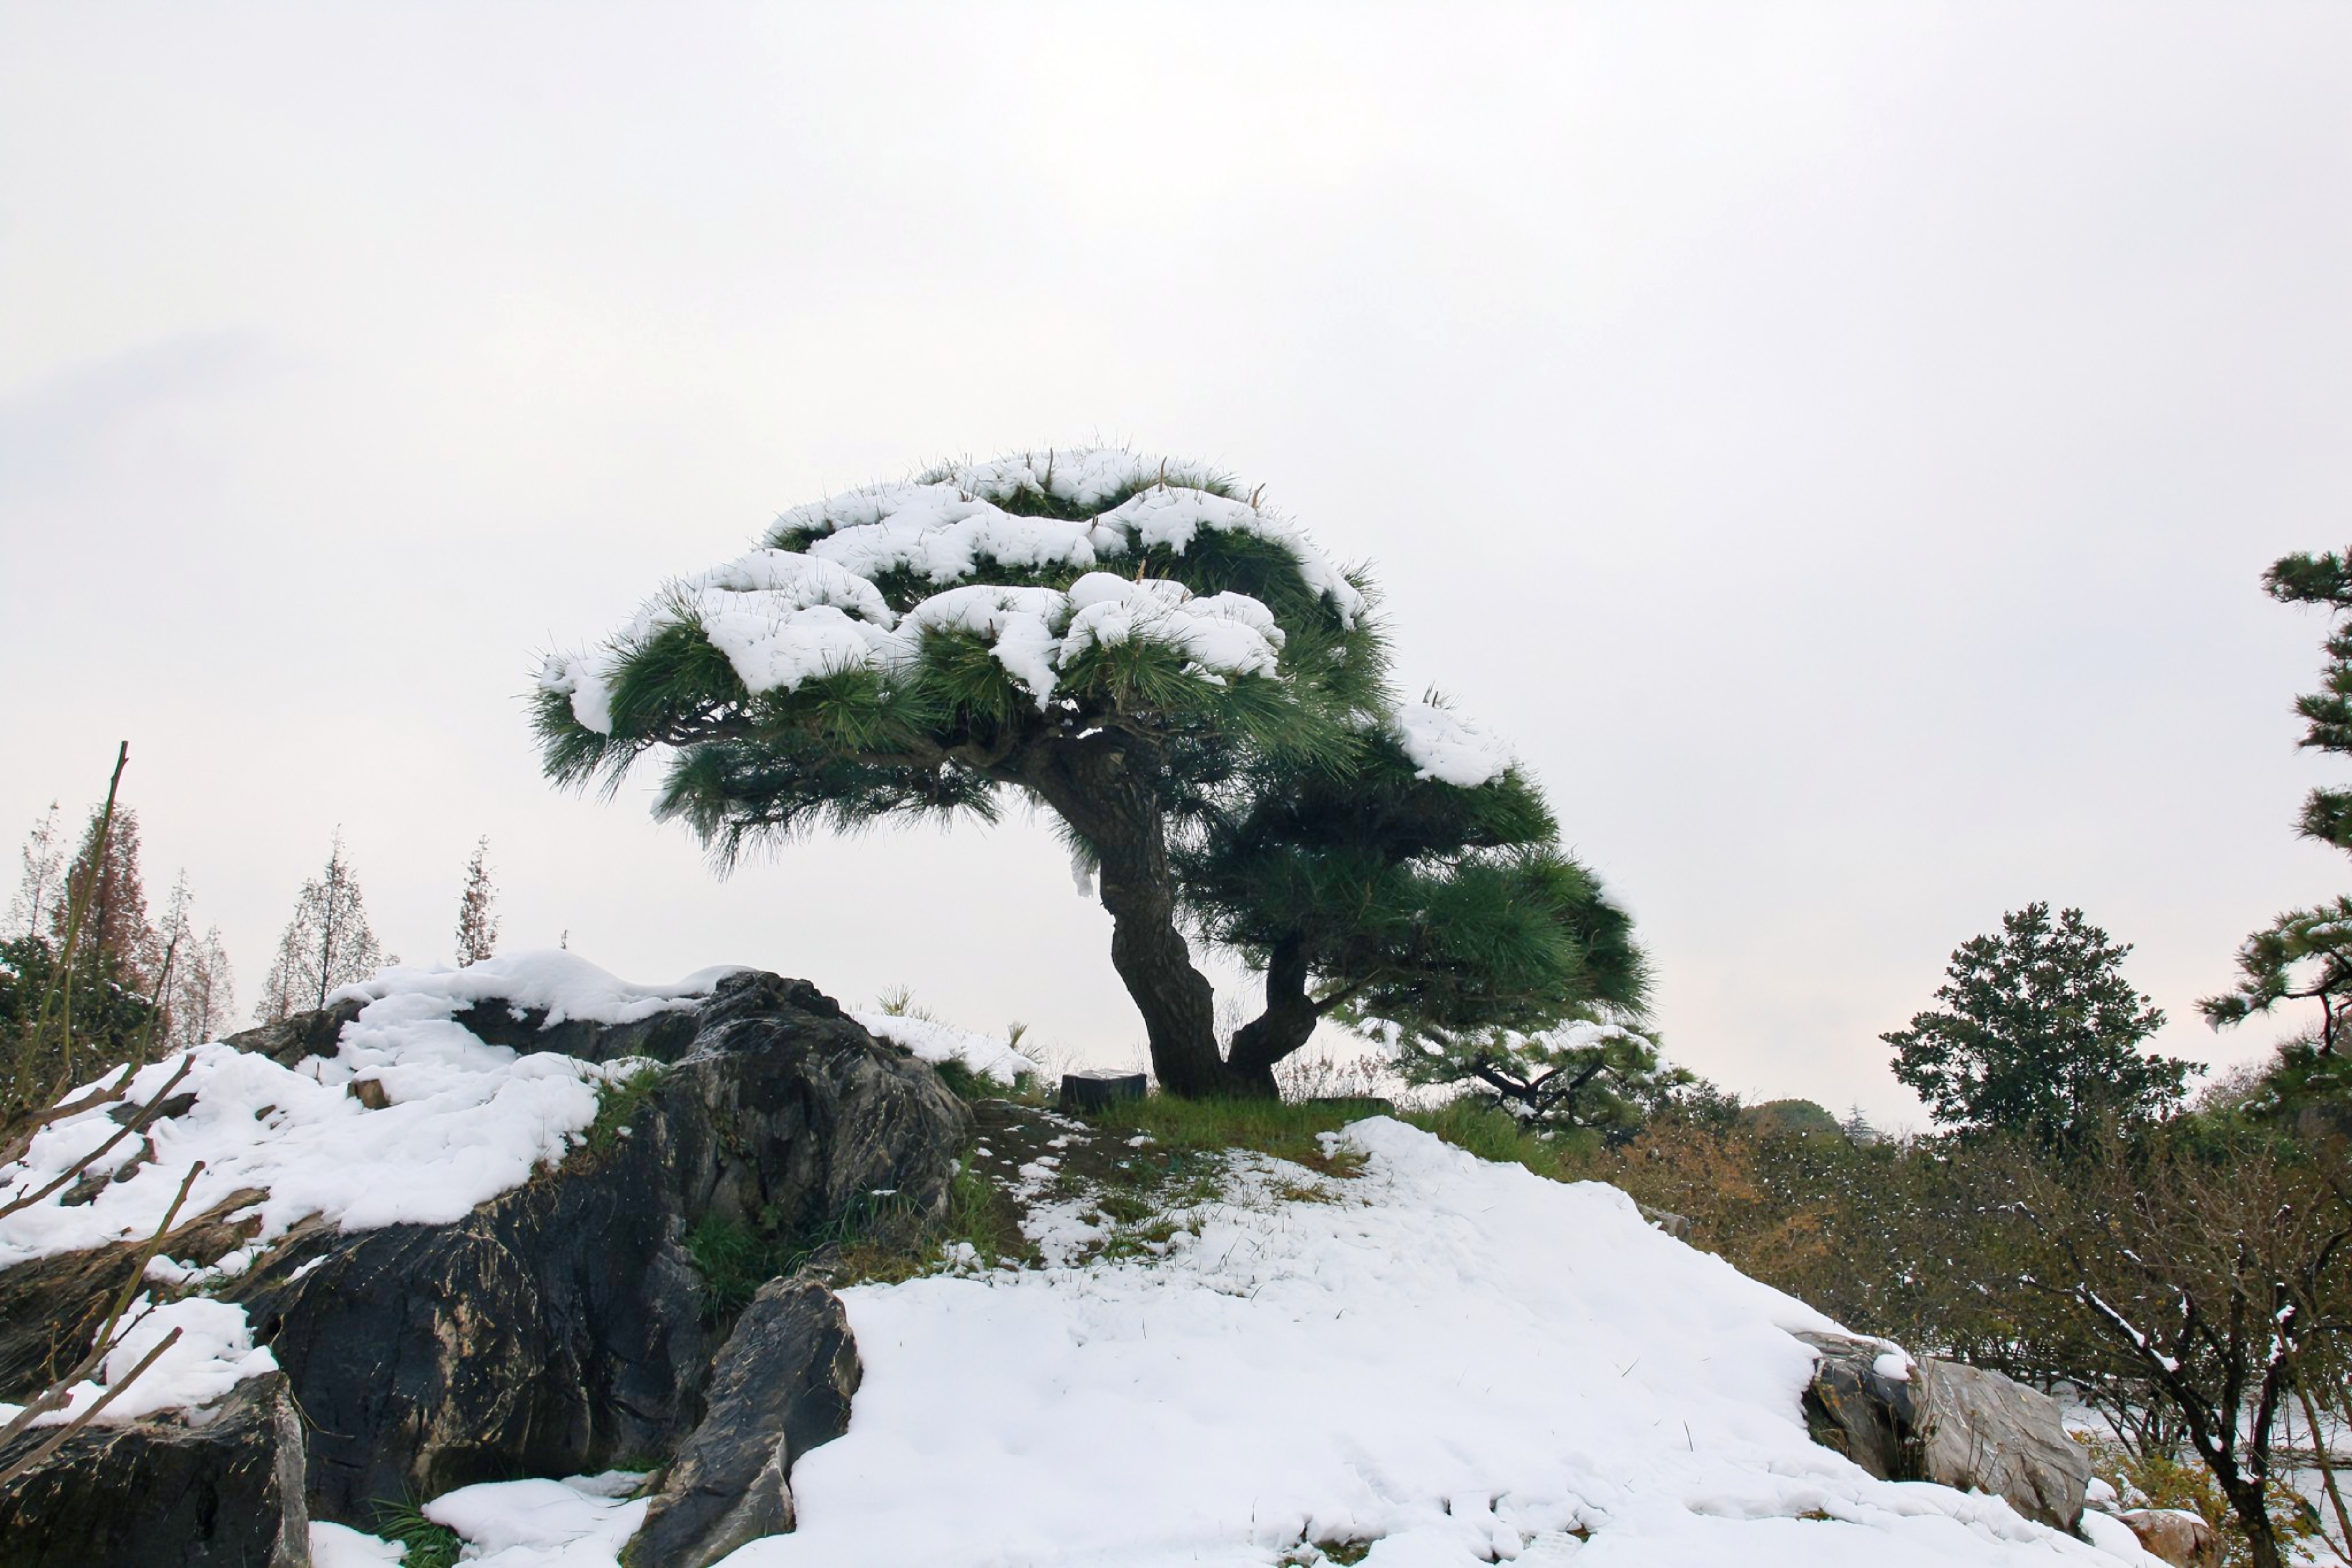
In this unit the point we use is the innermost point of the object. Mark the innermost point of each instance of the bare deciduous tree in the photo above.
(2220, 1278)
(327, 945)
(38, 885)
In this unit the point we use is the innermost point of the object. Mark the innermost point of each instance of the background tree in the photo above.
(204, 992)
(2217, 1279)
(477, 924)
(43, 874)
(2039, 1034)
(2306, 954)
(1131, 642)
(327, 945)
(117, 937)
(71, 1006)
(198, 991)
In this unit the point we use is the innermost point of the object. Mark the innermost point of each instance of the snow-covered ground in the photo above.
(1452, 1361)
(1456, 1362)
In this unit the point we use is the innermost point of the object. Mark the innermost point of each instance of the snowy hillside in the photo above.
(1410, 1357)
(1441, 1360)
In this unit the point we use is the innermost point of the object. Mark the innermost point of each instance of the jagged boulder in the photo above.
(562, 1327)
(780, 1386)
(1926, 1420)
(1990, 1433)
(224, 1492)
(1862, 1403)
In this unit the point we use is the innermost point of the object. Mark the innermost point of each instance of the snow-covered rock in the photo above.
(556, 1321)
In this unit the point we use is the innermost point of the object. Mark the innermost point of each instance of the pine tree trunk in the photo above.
(1107, 795)
(1286, 1024)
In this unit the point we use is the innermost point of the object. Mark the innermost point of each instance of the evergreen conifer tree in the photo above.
(1161, 662)
(2306, 955)
(116, 936)
(326, 945)
(478, 923)
(2039, 1034)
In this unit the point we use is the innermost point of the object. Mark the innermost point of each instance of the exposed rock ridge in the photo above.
(562, 1327)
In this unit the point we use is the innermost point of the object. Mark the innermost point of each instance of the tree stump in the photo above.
(1098, 1090)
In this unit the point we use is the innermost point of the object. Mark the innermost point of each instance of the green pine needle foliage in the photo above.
(2306, 955)
(1291, 825)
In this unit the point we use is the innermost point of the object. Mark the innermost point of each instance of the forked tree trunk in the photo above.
(1286, 1024)
(1095, 787)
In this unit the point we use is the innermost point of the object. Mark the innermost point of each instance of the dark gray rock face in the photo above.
(780, 1387)
(289, 1040)
(1957, 1426)
(562, 1328)
(51, 1308)
(1851, 1407)
(164, 1493)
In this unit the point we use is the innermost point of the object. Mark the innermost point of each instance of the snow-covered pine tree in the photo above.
(327, 945)
(2306, 955)
(478, 923)
(1133, 642)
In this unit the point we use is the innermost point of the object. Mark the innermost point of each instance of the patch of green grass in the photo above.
(1179, 1127)
(618, 1101)
(965, 1083)
(869, 1241)
(977, 1214)
(1494, 1134)
(430, 1545)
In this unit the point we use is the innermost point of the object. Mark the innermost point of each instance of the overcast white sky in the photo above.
(1839, 444)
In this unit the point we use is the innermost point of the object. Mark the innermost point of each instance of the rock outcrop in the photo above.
(562, 1327)
(780, 1386)
(223, 1492)
(1925, 1420)
(2178, 1537)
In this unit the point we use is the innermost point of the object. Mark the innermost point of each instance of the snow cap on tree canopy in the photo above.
(859, 581)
